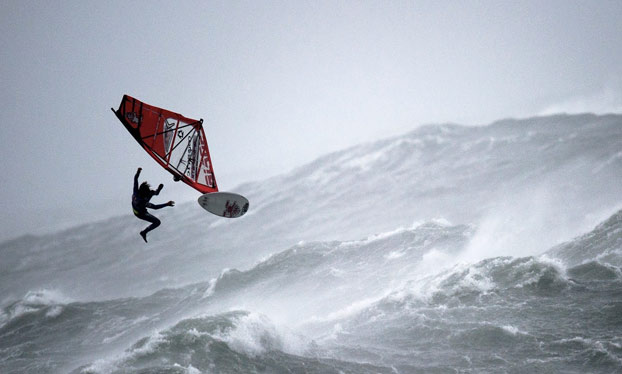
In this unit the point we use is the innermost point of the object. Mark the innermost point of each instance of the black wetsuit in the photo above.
(141, 203)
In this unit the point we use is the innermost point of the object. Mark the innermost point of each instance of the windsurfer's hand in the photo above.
(161, 186)
(171, 203)
(139, 170)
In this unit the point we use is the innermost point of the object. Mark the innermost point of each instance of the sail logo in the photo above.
(133, 117)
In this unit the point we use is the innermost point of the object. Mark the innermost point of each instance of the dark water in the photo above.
(498, 295)
(371, 306)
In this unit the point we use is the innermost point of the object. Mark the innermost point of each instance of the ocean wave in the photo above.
(489, 277)
(602, 244)
(605, 354)
(595, 271)
(490, 336)
(232, 342)
(196, 342)
(50, 302)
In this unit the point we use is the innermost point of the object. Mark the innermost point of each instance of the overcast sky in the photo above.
(278, 84)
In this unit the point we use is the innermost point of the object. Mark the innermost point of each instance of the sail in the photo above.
(176, 142)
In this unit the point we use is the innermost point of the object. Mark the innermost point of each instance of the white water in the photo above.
(421, 252)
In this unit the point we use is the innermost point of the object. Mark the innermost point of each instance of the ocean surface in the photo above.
(447, 250)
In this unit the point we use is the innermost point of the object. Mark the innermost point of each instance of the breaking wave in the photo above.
(393, 302)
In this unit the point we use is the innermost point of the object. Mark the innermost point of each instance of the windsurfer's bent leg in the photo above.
(155, 222)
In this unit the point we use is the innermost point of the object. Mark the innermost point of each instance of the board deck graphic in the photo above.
(224, 204)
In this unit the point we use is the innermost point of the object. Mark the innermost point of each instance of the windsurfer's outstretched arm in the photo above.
(136, 180)
(160, 206)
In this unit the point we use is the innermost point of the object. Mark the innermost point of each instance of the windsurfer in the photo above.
(140, 203)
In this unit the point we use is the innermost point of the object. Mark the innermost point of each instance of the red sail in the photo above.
(176, 142)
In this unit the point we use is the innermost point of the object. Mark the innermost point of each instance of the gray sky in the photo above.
(278, 83)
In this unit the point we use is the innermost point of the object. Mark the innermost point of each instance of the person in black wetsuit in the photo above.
(140, 203)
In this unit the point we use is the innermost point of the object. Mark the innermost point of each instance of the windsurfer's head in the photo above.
(144, 189)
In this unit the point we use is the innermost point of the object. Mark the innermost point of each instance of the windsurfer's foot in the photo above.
(144, 235)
